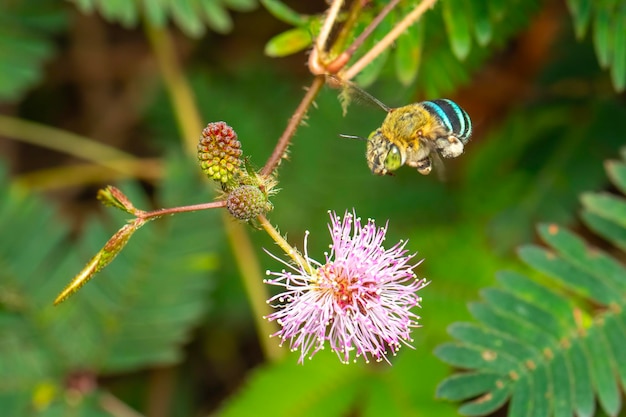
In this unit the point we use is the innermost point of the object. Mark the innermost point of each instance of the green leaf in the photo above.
(602, 364)
(408, 53)
(593, 261)
(539, 295)
(608, 206)
(524, 310)
(602, 34)
(187, 16)
(514, 327)
(581, 12)
(490, 338)
(323, 388)
(192, 17)
(618, 68)
(486, 404)
(457, 19)
(483, 29)
(606, 228)
(289, 42)
(216, 16)
(128, 318)
(467, 385)
(281, 11)
(562, 389)
(474, 357)
(241, 5)
(551, 351)
(615, 333)
(541, 392)
(568, 274)
(27, 31)
(583, 389)
(617, 173)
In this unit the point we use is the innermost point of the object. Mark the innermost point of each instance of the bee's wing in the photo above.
(352, 92)
(439, 165)
(435, 158)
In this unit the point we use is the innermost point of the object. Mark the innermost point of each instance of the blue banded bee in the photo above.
(414, 135)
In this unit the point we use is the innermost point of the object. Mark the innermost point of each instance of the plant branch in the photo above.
(292, 126)
(149, 169)
(329, 22)
(345, 56)
(384, 43)
(151, 215)
(66, 142)
(248, 265)
(180, 92)
(284, 245)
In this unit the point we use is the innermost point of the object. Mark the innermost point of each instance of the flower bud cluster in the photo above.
(219, 153)
(220, 156)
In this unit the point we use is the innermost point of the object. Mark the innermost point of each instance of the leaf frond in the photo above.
(550, 348)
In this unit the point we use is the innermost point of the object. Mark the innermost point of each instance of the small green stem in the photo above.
(66, 142)
(292, 126)
(187, 114)
(327, 26)
(284, 245)
(250, 268)
(384, 43)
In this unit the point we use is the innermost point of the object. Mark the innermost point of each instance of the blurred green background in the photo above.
(167, 329)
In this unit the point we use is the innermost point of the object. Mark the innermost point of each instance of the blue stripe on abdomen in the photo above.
(452, 116)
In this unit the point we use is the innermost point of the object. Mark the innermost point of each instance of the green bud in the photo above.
(247, 201)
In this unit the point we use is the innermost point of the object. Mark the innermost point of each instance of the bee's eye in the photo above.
(393, 160)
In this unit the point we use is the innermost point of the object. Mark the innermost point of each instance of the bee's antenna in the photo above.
(352, 137)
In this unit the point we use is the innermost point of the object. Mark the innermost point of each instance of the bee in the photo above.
(413, 135)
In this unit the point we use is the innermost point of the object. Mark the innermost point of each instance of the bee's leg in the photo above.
(424, 166)
(449, 147)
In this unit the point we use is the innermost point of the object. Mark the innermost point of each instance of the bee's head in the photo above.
(383, 156)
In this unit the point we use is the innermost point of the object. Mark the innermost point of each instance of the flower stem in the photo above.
(292, 126)
(384, 43)
(284, 245)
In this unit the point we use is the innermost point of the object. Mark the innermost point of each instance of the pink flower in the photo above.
(358, 301)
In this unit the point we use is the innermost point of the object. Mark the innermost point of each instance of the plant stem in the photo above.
(284, 245)
(151, 215)
(292, 126)
(384, 43)
(329, 22)
(180, 92)
(115, 407)
(345, 56)
(249, 266)
(149, 169)
(66, 142)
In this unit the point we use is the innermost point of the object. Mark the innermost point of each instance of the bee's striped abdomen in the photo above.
(452, 116)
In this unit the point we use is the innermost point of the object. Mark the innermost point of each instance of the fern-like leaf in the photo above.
(548, 347)
(193, 17)
(27, 29)
(608, 21)
(137, 313)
